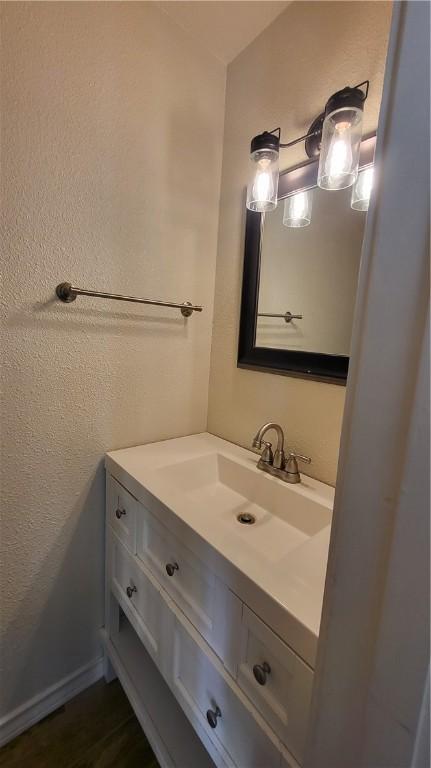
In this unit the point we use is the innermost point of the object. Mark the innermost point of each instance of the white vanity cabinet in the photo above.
(205, 643)
(206, 624)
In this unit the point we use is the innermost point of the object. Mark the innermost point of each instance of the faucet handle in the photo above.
(305, 459)
(267, 455)
(292, 464)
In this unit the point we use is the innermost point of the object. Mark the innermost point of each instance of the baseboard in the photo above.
(51, 698)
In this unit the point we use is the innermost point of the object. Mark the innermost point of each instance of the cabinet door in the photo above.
(213, 702)
(121, 508)
(211, 607)
(139, 596)
(277, 681)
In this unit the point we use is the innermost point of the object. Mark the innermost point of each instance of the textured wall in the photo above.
(283, 78)
(112, 132)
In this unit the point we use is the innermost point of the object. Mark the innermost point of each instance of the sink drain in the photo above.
(246, 519)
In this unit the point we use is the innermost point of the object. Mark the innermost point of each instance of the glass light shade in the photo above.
(339, 153)
(297, 210)
(362, 190)
(262, 188)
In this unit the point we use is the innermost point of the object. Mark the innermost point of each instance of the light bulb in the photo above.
(263, 186)
(297, 210)
(361, 192)
(339, 159)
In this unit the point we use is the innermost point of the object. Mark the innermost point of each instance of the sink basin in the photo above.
(225, 490)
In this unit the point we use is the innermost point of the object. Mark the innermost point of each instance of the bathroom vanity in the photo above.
(212, 623)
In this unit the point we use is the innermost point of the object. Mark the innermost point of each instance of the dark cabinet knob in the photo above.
(130, 591)
(119, 513)
(212, 716)
(171, 568)
(260, 671)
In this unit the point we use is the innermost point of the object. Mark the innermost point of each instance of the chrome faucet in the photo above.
(276, 463)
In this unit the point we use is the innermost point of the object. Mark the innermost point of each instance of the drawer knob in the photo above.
(212, 716)
(130, 591)
(171, 568)
(260, 671)
(119, 513)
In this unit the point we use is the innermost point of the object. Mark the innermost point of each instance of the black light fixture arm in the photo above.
(367, 88)
(281, 145)
(301, 138)
(311, 138)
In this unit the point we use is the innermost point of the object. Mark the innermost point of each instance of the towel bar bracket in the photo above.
(65, 293)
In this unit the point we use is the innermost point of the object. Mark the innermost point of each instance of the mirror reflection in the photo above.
(310, 254)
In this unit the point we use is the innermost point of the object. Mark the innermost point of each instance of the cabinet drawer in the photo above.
(277, 681)
(140, 598)
(211, 607)
(121, 510)
(204, 690)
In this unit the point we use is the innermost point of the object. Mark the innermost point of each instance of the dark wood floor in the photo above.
(96, 729)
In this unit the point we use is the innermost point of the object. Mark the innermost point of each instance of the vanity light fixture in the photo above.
(335, 135)
(263, 185)
(362, 189)
(297, 209)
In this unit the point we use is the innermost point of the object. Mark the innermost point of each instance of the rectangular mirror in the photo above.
(301, 265)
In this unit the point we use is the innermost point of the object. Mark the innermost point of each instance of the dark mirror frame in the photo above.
(312, 365)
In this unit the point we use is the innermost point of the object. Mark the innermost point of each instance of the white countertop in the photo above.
(272, 559)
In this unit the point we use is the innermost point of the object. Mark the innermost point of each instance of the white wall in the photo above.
(112, 132)
(284, 78)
